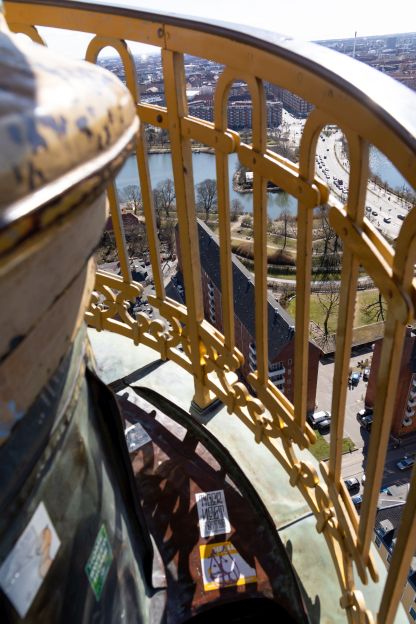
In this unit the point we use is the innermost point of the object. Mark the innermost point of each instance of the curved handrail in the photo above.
(370, 108)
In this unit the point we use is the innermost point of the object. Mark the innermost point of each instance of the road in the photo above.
(386, 205)
(353, 464)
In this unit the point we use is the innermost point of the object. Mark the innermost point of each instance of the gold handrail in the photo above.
(344, 93)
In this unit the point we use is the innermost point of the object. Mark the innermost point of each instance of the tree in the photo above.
(206, 194)
(133, 198)
(164, 194)
(328, 301)
(285, 219)
(167, 235)
(236, 209)
(375, 311)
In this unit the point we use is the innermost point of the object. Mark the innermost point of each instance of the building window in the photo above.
(412, 613)
(289, 371)
(389, 557)
(378, 542)
(289, 362)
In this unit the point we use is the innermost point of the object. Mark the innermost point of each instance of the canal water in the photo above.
(160, 166)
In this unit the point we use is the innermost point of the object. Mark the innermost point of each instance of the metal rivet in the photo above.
(160, 32)
(159, 118)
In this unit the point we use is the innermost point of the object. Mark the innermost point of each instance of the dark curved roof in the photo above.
(281, 324)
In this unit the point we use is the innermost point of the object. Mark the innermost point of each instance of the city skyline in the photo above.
(320, 21)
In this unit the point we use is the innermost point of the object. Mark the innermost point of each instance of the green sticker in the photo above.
(99, 562)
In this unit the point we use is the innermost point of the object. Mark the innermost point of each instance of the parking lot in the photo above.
(353, 464)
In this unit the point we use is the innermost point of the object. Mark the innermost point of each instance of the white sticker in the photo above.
(24, 570)
(136, 437)
(213, 514)
(223, 566)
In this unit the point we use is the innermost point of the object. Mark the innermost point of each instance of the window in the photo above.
(289, 362)
(378, 542)
(412, 613)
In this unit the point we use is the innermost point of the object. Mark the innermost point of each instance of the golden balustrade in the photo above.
(344, 93)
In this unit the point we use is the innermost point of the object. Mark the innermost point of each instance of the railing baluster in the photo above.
(119, 233)
(121, 47)
(260, 231)
(401, 560)
(358, 150)
(175, 91)
(304, 267)
(387, 378)
(221, 162)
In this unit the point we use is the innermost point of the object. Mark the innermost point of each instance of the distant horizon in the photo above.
(325, 20)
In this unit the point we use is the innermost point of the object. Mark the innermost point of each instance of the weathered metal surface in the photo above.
(179, 461)
(68, 455)
(344, 93)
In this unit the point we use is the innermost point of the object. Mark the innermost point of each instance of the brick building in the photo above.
(404, 415)
(239, 113)
(281, 325)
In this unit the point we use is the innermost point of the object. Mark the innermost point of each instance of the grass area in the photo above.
(276, 239)
(320, 450)
(317, 313)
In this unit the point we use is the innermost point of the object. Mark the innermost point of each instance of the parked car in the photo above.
(366, 374)
(357, 500)
(400, 216)
(324, 426)
(387, 219)
(367, 422)
(355, 378)
(366, 411)
(375, 213)
(405, 463)
(353, 485)
(317, 417)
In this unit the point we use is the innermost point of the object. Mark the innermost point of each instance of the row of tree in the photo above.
(164, 198)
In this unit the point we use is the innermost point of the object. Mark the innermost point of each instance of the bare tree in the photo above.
(167, 235)
(375, 311)
(206, 194)
(165, 192)
(236, 209)
(285, 219)
(133, 197)
(329, 301)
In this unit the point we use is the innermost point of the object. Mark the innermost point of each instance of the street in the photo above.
(353, 464)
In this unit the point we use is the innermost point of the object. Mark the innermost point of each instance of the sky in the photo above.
(302, 19)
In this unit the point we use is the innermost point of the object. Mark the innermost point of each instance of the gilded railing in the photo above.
(370, 109)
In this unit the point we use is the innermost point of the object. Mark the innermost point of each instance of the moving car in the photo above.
(317, 417)
(375, 213)
(405, 463)
(355, 378)
(401, 217)
(387, 219)
(352, 485)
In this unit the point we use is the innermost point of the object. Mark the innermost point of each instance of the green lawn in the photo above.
(320, 450)
(317, 313)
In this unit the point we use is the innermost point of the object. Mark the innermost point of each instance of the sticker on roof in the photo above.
(213, 513)
(26, 566)
(222, 566)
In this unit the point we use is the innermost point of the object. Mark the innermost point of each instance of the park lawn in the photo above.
(317, 313)
(320, 450)
(364, 298)
(276, 239)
